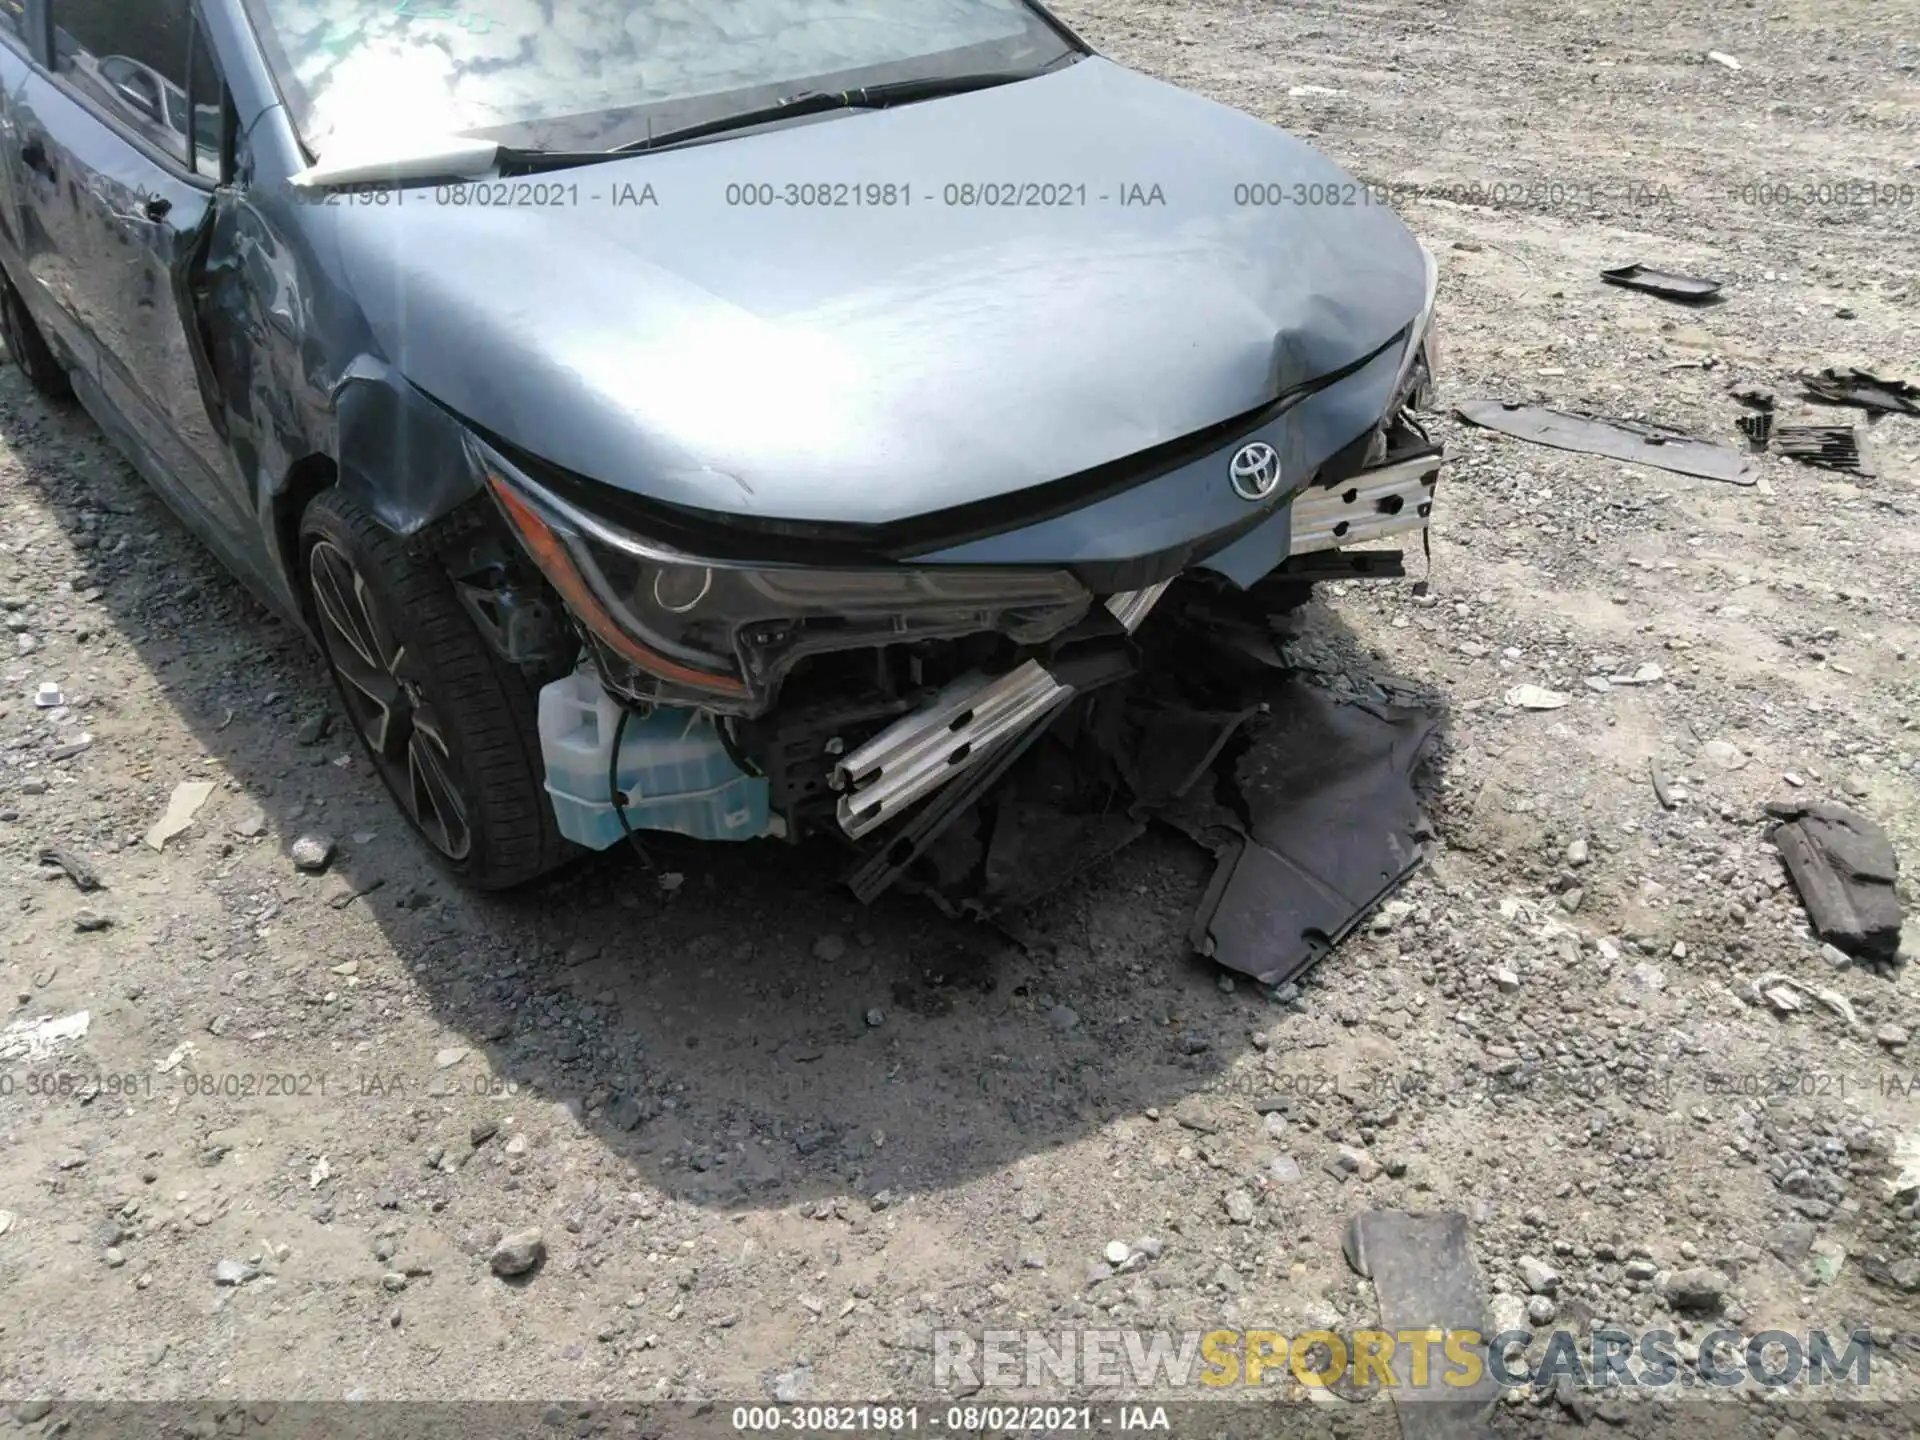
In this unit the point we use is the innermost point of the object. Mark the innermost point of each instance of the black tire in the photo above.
(458, 729)
(29, 347)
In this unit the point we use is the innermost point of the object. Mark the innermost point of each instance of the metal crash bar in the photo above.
(1373, 504)
(952, 732)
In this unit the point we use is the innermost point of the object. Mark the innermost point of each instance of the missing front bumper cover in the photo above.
(975, 715)
(948, 736)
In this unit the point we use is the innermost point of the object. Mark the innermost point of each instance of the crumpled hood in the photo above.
(869, 362)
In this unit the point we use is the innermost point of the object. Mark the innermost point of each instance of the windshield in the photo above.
(594, 73)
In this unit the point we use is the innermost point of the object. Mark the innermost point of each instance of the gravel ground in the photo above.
(772, 1141)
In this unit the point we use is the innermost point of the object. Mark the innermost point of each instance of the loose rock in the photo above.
(518, 1253)
(312, 853)
(1701, 1288)
(1539, 1277)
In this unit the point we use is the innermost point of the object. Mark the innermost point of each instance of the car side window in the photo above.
(13, 17)
(129, 57)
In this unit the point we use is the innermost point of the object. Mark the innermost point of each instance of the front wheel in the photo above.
(449, 725)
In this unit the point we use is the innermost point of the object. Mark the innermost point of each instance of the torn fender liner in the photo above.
(1424, 1276)
(1332, 826)
(1617, 439)
(1845, 870)
(1663, 283)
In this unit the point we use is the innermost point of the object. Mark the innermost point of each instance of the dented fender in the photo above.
(401, 457)
(307, 399)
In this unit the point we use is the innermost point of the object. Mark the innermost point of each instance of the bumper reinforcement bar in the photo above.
(956, 729)
(1387, 500)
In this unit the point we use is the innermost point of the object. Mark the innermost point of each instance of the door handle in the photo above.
(149, 210)
(34, 156)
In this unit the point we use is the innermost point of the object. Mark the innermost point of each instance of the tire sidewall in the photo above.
(372, 550)
(29, 348)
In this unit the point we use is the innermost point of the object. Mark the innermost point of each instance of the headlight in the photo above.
(720, 633)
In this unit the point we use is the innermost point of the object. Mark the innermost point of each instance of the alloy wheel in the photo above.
(386, 702)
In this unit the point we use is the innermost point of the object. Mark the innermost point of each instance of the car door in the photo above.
(127, 132)
(24, 251)
(16, 64)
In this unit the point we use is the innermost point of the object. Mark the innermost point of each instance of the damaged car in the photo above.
(740, 420)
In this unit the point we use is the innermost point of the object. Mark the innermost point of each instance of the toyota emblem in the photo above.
(1255, 471)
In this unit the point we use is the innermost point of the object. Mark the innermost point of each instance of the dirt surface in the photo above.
(773, 1141)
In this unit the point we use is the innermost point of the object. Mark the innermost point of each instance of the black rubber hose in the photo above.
(615, 794)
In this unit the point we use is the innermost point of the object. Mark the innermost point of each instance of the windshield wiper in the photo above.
(465, 158)
(818, 102)
(432, 158)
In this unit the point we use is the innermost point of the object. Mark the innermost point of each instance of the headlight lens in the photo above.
(719, 633)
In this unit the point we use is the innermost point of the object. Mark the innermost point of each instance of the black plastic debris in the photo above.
(1632, 441)
(78, 868)
(1348, 565)
(1037, 847)
(1863, 389)
(1831, 447)
(1304, 797)
(1757, 427)
(1333, 826)
(1689, 289)
(1845, 870)
(1425, 1279)
(1079, 789)
(1662, 788)
(1161, 745)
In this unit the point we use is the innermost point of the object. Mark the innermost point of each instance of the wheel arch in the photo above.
(53, 345)
(306, 480)
(395, 454)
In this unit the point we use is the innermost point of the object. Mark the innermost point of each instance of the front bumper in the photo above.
(685, 777)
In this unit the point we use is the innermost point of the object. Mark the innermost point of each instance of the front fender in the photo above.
(401, 457)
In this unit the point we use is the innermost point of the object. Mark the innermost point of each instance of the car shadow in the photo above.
(730, 1024)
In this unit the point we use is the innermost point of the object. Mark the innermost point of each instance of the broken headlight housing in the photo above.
(680, 628)
(1413, 384)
